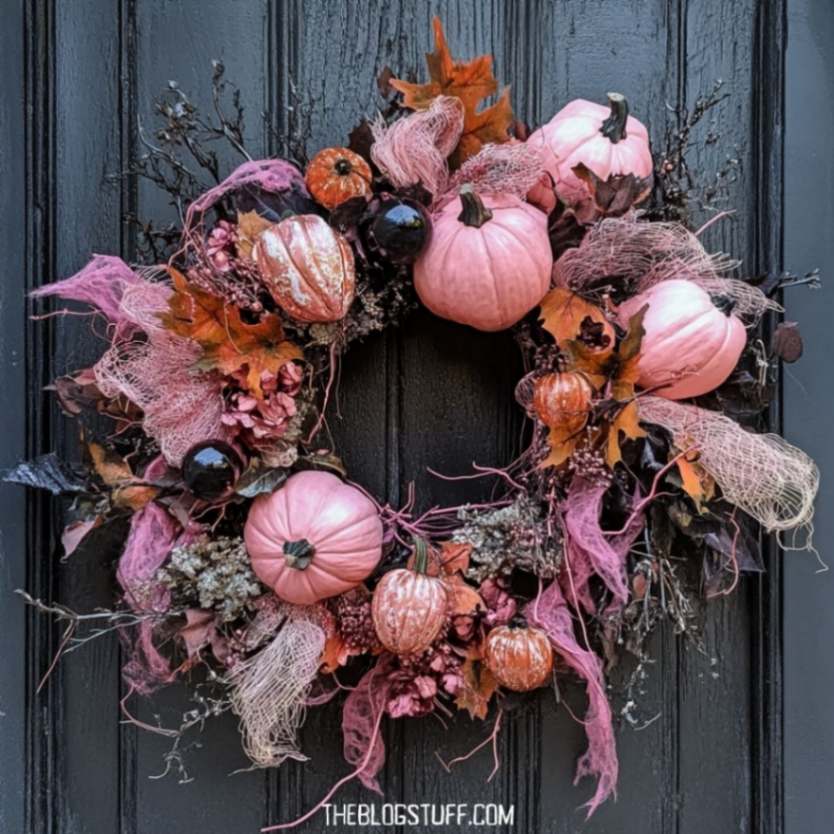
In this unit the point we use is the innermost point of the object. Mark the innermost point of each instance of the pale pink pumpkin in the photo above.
(690, 346)
(605, 139)
(409, 608)
(315, 537)
(307, 267)
(488, 261)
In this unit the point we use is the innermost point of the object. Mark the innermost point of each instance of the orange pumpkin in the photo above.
(563, 400)
(521, 659)
(337, 174)
(409, 608)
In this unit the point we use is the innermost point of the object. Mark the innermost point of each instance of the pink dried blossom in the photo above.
(501, 606)
(219, 246)
(290, 378)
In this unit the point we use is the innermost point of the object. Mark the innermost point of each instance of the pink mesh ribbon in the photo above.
(633, 255)
(588, 550)
(361, 719)
(551, 614)
(102, 284)
(414, 149)
(500, 169)
(153, 534)
(272, 175)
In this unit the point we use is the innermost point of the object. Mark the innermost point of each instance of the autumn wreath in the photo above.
(258, 572)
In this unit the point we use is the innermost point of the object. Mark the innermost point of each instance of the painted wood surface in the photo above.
(85, 73)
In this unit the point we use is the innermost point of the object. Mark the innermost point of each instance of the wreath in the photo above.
(256, 571)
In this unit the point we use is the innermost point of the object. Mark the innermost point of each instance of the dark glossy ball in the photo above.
(400, 230)
(211, 469)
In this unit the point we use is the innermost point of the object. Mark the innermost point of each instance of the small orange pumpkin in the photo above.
(563, 400)
(409, 608)
(334, 175)
(521, 659)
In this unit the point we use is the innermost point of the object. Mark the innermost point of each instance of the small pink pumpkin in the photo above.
(690, 346)
(315, 537)
(605, 139)
(488, 262)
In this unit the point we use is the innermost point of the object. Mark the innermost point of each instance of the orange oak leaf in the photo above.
(463, 598)
(479, 686)
(454, 556)
(627, 422)
(562, 442)
(471, 82)
(697, 483)
(562, 315)
(229, 344)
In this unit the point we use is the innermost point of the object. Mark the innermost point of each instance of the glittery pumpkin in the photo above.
(335, 175)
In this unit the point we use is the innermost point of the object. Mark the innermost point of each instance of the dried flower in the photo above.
(354, 622)
(418, 680)
(212, 574)
(514, 536)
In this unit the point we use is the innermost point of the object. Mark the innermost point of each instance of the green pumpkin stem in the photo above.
(474, 212)
(614, 127)
(299, 554)
(421, 555)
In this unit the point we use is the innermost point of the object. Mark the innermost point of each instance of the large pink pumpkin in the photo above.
(313, 538)
(690, 346)
(605, 139)
(488, 261)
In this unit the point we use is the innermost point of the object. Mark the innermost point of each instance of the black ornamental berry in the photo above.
(399, 230)
(210, 470)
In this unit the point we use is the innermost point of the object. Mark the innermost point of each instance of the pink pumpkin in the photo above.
(488, 261)
(313, 538)
(690, 346)
(605, 139)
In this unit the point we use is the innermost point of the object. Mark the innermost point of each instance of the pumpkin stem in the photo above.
(614, 127)
(421, 555)
(474, 212)
(299, 554)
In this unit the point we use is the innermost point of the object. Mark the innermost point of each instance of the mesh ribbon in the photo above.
(361, 717)
(414, 149)
(633, 256)
(551, 614)
(102, 284)
(588, 550)
(270, 690)
(153, 534)
(501, 169)
(762, 474)
(272, 175)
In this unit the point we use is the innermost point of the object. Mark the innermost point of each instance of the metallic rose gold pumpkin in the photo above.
(520, 658)
(409, 608)
(307, 267)
(563, 400)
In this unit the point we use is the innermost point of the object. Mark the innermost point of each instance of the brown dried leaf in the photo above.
(478, 688)
(250, 224)
(616, 195)
(109, 466)
(697, 483)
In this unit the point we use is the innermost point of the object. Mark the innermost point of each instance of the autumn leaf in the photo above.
(567, 316)
(562, 442)
(109, 466)
(229, 344)
(471, 82)
(250, 224)
(697, 483)
(627, 422)
(463, 598)
(479, 686)
(454, 557)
